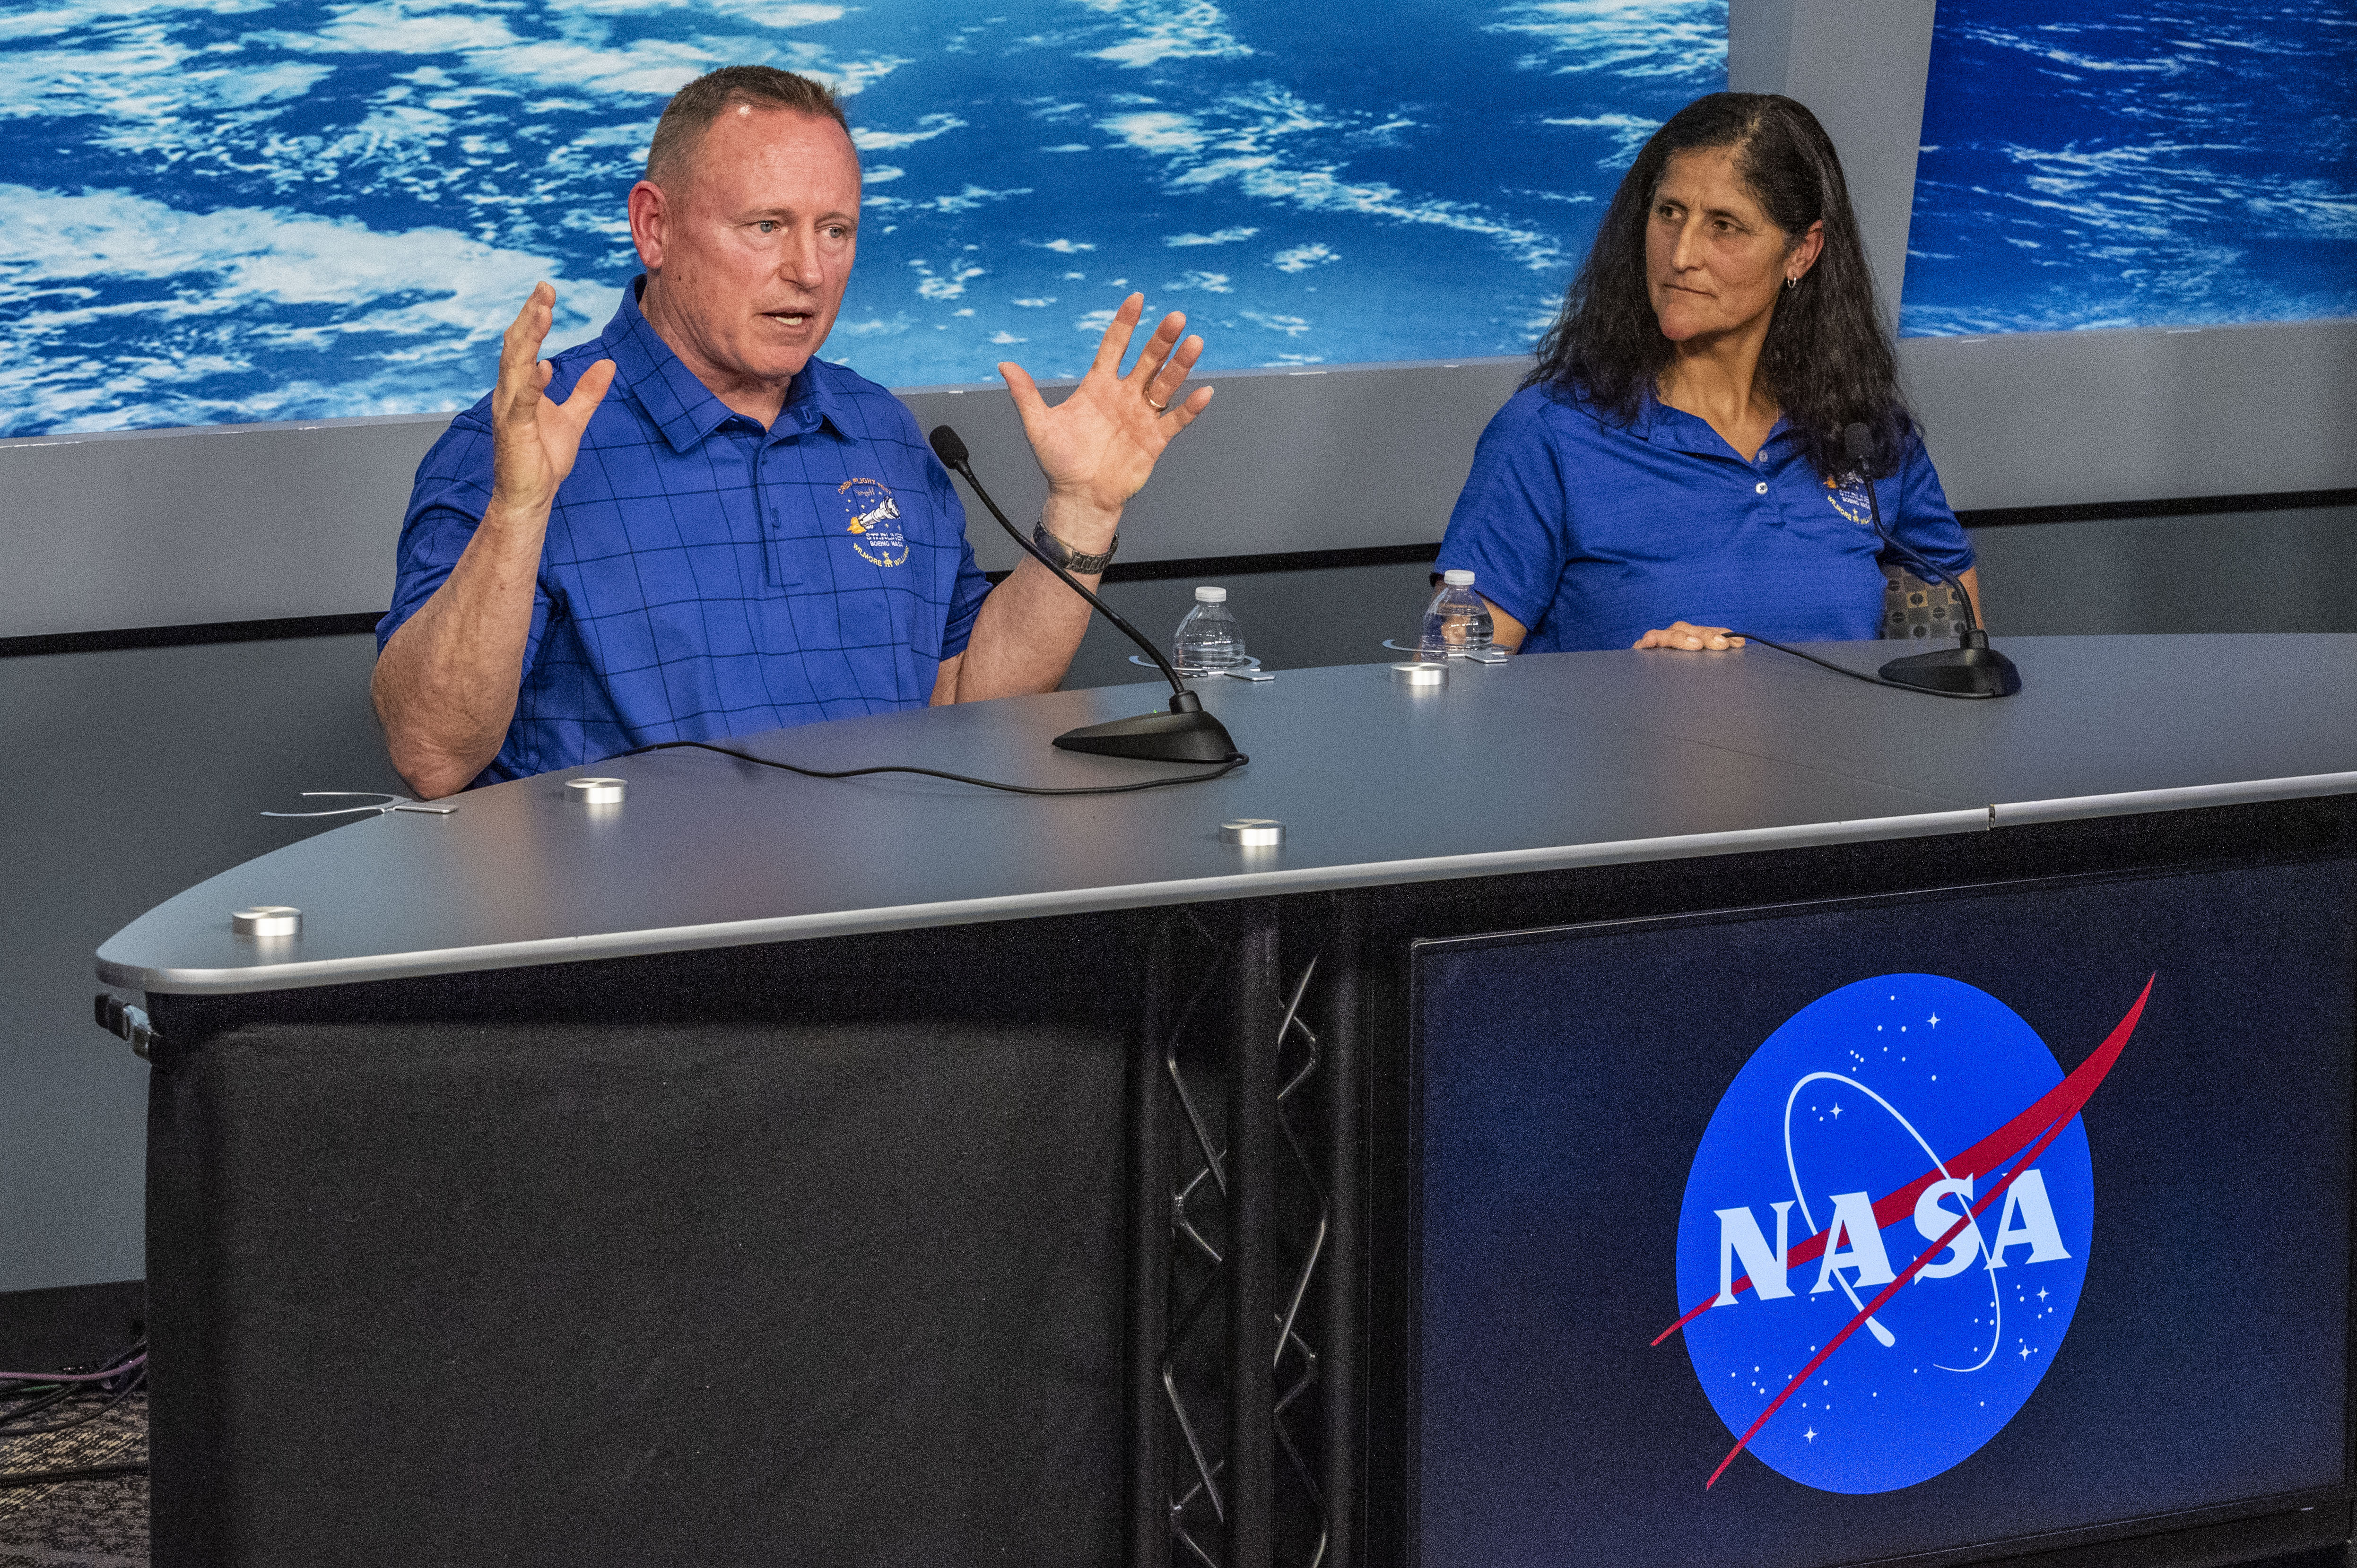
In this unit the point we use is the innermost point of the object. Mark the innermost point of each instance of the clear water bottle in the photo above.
(1457, 623)
(1208, 639)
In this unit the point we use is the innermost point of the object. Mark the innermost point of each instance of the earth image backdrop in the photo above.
(2159, 164)
(224, 210)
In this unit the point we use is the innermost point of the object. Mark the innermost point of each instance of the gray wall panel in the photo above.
(185, 527)
(2071, 418)
(129, 776)
(1860, 66)
(1282, 460)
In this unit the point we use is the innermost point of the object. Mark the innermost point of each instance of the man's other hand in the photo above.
(1098, 445)
(533, 440)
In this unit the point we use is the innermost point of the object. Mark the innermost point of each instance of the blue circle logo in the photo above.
(1885, 1230)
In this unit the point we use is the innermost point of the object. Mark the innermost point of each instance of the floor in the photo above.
(99, 1524)
(103, 1523)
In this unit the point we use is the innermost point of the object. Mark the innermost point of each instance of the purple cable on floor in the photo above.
(137, 1360)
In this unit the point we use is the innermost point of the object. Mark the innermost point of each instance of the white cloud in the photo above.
(1301, 258)
(1625, 37)
(880, 173)
(971, 197)
(1062, 247)
(1209, 283)
(1630, 133)
(399, 321)
(1157, 131)
(1223, 237)
(872, 141)
(932, 285)
(1003, 337)
(1157, 30)
(1034, 304)
(1291, 326)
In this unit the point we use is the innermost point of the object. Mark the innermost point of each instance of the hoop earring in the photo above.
(1791, 283)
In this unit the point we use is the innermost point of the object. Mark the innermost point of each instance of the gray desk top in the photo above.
(1544, 762)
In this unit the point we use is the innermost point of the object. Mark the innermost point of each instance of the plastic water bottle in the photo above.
(1208, 639)
(1457, 623)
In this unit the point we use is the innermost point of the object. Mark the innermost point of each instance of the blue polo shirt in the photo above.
(1592, 534)
(703, 577)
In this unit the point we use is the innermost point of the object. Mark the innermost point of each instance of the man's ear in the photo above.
(649, 214)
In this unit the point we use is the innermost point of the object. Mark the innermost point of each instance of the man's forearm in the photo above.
(1024, 635)
(1031, 626)
(445, 684)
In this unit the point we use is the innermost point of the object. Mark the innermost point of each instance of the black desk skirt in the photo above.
(500, 1269)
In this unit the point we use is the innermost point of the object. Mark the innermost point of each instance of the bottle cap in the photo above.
(1207, 594)
(1458, 578)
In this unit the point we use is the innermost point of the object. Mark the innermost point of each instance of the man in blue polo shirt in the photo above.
(714, 532)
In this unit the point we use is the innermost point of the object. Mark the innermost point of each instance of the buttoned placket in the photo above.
(792, 425)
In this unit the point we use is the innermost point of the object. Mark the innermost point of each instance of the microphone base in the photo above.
(1194, 737)
(1967, 671)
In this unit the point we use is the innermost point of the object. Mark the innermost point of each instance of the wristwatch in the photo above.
(1069, 559)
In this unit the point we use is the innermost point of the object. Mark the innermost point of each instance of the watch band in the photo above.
(1069, 559)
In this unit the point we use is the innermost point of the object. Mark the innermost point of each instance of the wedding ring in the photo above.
(1158, 407)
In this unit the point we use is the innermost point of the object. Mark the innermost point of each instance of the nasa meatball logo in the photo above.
(1885, 1230)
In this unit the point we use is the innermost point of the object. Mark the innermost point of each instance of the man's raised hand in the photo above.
(1099, 445)
(533, 440)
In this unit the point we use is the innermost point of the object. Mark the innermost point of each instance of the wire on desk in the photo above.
(1858, 674)
(1219, 771)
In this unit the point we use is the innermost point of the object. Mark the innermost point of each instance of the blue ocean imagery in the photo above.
(2169, 163)
(227, 210)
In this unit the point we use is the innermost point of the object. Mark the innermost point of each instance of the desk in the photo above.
(1050, 990)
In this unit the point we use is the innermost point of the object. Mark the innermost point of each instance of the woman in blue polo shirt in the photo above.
(1673, 466)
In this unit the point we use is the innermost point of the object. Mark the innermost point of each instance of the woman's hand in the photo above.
(1690, 639)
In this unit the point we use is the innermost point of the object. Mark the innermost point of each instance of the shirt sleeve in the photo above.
(971, 588)
(446, 506)
(1922, 519)
(1509, 528)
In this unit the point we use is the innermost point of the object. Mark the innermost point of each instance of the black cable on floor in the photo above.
(1219, 771)
(51, 1477)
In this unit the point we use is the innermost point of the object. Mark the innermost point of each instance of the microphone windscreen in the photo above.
(1858, 442)
(952, 450)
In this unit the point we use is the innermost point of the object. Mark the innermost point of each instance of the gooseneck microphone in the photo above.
(1971, 669)
(1185, 733)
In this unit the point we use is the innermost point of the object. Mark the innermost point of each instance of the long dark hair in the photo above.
(1827, 360)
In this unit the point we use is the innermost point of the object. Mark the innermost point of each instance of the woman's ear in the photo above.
(1805, 254)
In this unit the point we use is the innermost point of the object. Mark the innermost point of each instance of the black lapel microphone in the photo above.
(1185, 733)
(1972, 668)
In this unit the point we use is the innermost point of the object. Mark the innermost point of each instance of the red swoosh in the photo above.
(2044, 1119)
(1975, 1161)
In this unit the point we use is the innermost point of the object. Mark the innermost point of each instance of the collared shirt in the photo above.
(1592, 534)
(703, 577)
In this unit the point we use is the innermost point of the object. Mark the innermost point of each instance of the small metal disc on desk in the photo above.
(1252, 833)
(1421, 674)
(267, 921)
(597, 791)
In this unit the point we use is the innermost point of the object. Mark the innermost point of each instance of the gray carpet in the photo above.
(77, 1524)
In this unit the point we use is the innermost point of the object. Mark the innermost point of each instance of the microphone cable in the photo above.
(1218, 770)
(1858, 674)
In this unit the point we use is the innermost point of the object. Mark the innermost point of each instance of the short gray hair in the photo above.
(695, 106)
